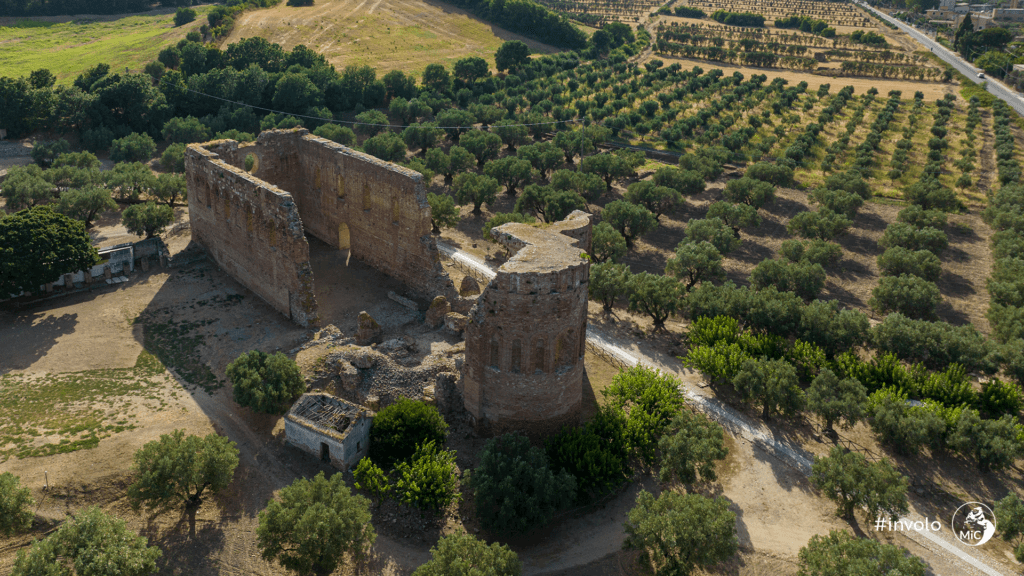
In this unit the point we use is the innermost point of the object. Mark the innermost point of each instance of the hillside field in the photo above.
(404, 35)
(69, 48)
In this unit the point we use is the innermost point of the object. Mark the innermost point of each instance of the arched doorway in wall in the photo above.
(345, 241)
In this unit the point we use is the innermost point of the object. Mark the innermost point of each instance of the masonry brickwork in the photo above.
(526, 334)
(253, 225)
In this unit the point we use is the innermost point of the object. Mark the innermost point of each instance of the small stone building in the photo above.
(330, 428)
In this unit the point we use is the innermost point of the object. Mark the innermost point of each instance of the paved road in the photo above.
(994, 87)
(754, 432)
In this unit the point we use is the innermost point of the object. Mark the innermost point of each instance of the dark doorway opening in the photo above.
(325, 453)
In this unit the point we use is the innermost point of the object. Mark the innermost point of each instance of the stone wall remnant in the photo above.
(254, 224)
(526, 335)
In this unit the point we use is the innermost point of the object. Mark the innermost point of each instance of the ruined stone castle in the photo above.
(526, 332)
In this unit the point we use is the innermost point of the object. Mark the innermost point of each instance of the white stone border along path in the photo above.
(756, 433)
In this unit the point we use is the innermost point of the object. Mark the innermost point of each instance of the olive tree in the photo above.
(695, 262)
(843, 554)
(773, 384)
(608, 281)
(265, 382)
(852, 482)
(177, 470)
(630, 220)
(835, 400)
(90, 542)
(676, 533)
(690, 447)
(514, 488)
(314, 524)
(462, 554)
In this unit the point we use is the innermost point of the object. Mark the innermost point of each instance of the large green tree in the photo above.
(90, 543)
(177, 470)
(314, 524)
(515, 490)
(676, 533)
(462, 554)
(148, 219)
(689, 448)
(37, 246)
(852, 482)
(843, 554)
(773, 384)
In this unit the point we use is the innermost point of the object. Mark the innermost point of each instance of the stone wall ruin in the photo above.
(526, 335)
(253, 225)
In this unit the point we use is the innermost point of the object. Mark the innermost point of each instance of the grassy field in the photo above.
(69, 48)
(404, 35)
(59, 413)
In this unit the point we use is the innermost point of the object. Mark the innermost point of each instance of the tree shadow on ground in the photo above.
(27, 335)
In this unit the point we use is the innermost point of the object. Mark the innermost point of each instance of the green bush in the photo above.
(918, 217)
(902, 427)
(185, 130)
(998, 398)
(387, 146)
(183, 16)
(314, 525)
(428, 480)
(595, 453)
(706, 331)
(994, 444)
(909, 295)
(835, 400)
(838, 201)
(90, 542)
(715, 231)
(802, 278)
(341, 134)
(607, 245)
(843, 554)
(399, 430)
(649, 399)
(898, 260)
(813, 251)
(929, 194)
(749, 191)
(148, 219)
(15, 505)
(515, 489)
(265, 382)
(370, 477)
(735, 215)
(173, 158)
(132, 148)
